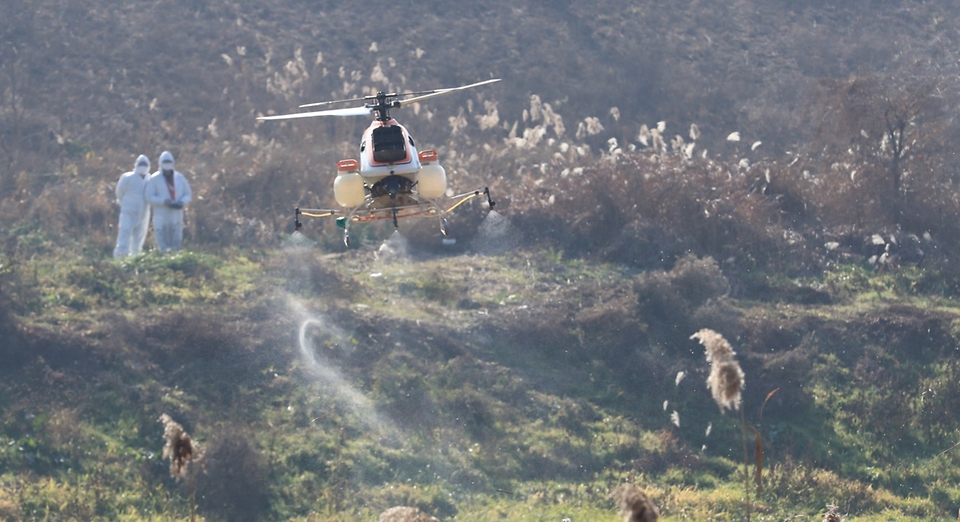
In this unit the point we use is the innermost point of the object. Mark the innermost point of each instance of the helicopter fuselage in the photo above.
(391, 172)
(386, 149)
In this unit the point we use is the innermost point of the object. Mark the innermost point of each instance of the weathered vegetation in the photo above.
(796, 197)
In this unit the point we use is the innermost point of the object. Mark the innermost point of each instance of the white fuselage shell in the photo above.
(372, 170)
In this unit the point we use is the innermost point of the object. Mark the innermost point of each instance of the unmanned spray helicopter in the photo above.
(391, 180)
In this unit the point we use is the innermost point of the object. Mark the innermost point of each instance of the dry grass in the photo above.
(182, 451)
(832, 514)
(634, 504)
(650, 210)
(405, 514)
(9, 509)
(185, 456)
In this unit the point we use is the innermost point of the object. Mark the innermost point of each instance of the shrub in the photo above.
(667, 301)
(698, 280)
(401, 391)
(69, 209)
(646, 210)
(235, 484)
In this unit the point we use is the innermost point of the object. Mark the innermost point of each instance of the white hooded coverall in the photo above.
(168, 196)
(134, 211)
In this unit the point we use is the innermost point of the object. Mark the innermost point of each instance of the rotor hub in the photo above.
(382, 107)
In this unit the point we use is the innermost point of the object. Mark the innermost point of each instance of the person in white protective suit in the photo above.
(168, 193)
(134, 211)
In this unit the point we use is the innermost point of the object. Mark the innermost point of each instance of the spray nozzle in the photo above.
(491, 202)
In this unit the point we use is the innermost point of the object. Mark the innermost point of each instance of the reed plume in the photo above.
(726, 381)
(179, 448)
(405, 514)
(635, 506)
(185, 456)
(831, 515)
(726, 378)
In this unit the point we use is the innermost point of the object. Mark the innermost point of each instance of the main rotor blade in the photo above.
(317, 104)
(350, 111)
(439, 92)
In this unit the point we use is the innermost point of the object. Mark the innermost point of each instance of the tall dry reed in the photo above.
(832, 515)
(634, 504)
(726, 382)
(726, 378)
(185, 456)
(405, 514)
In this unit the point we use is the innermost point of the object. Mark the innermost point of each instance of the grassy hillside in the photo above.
(522, 386)
(545, 359)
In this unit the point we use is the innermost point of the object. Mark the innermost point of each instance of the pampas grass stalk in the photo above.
(185, 456)
(726, 382)
(832, 515)
(405, 514)
(634, 504)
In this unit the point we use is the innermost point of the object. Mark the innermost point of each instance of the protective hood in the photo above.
(166, 157)
(142, 165)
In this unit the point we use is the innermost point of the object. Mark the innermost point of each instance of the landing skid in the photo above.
(384, 207)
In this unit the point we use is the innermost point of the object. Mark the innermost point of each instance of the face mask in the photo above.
(167, 168)
(141, 169)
